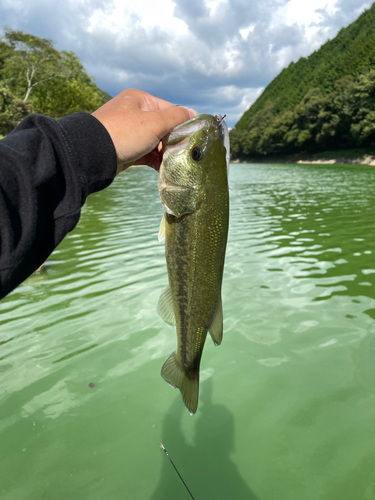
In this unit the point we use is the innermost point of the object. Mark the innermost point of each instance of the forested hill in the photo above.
(303, 107)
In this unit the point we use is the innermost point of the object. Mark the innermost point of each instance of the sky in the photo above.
(215, 56)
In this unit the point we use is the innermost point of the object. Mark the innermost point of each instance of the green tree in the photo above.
(333, 128)
(361, 105)
(5, 51)
(274, 137)
(34, 61)
(55, 83)
(12, 110)
(64, 96)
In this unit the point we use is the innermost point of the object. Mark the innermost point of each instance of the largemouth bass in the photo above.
(193, 187)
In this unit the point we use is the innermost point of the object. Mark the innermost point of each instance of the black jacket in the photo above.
(47, 169)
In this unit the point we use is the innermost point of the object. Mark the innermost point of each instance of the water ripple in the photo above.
(81, 345)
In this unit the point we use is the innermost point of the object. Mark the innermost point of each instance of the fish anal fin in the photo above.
(165, 307)
(216, 327)
(188, 384)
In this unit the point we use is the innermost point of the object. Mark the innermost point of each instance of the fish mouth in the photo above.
(187, 130)
(181, 135)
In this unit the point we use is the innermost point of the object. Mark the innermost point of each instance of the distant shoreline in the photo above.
(323, 159)
(364, 160)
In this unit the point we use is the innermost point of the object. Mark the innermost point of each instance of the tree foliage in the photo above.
(12, 110)
(34, 60)
(76, 92)
(48, 81)
(326, 101)
(5, 52)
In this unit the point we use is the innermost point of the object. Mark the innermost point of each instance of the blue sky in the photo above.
(213, 55)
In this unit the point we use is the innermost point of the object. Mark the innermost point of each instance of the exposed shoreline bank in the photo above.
(366, 159)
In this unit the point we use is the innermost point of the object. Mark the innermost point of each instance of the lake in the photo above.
(287, 402)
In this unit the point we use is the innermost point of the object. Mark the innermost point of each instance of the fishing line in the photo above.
(175, 468)
(220, 119)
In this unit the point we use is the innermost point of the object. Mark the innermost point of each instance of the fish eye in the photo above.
(196, 154)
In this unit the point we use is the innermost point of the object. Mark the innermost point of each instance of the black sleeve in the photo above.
(47, 169)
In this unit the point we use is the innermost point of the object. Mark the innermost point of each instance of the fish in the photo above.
(193, 188)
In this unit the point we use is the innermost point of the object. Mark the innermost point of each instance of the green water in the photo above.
(287, 403)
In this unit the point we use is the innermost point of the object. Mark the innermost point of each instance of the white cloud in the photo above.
(246, 31)
(214, 6)
(304, 13)
(213, 55)
(123, 18)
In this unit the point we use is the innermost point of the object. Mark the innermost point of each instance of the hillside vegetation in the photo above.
(325, 101)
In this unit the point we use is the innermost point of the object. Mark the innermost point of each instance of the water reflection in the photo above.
(205, 462)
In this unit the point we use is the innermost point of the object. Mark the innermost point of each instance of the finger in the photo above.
(152, 159)
(167, 119)
(155, 103)
(135, 99)
(145, 101)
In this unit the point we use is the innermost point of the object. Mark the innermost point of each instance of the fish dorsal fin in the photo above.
(161, 235)
(216, 327)
(165, 307)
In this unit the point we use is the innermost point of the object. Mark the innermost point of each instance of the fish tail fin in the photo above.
(177, 378)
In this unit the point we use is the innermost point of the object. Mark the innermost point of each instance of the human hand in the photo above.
(137, 123)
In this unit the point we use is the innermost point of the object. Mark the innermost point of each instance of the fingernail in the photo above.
(192, 112)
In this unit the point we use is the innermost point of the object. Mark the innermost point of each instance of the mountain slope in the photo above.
(351, 52)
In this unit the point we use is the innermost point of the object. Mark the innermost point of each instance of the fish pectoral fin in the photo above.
(165, 307)
(216, 327)
(173, 373)
(180, 200)
(161, 235)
